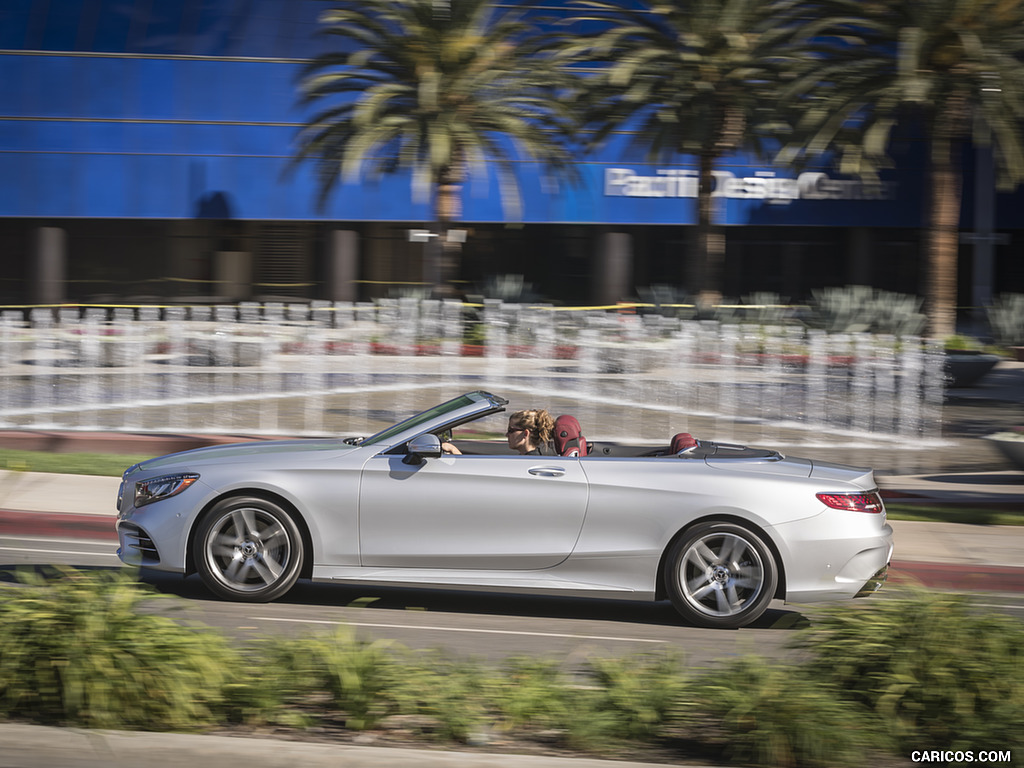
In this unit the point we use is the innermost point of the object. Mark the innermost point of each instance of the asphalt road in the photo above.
(478, 625)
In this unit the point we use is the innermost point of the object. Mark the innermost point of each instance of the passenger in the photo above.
(530, 432)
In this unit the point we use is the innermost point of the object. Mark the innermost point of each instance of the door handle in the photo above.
(547, 471)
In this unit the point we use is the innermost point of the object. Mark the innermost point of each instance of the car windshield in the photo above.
(429, 415)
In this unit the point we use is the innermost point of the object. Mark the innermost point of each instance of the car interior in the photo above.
(569, 441)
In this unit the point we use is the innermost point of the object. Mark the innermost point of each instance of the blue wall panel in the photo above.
(54, 136)
(106, 87)
(105, 137)
(153, 138)
(47, 185)
(95, 196)
(51, 80)
(13, 175)
(153, 94)
(162, 187)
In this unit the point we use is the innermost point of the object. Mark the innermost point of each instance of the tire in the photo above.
(720, 575)
(248, 549)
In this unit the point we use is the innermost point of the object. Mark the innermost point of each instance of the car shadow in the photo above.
(398, 599)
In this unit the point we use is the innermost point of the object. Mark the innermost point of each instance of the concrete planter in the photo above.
(1011, 445)
(965, 369)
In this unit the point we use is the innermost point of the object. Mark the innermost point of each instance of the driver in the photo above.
(529, 433)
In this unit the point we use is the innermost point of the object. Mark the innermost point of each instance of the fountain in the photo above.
(326, 369)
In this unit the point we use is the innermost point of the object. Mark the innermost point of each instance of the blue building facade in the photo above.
(146, 146)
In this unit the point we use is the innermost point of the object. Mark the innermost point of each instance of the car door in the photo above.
(470, 512)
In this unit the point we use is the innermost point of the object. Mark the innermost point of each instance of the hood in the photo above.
(237, 452)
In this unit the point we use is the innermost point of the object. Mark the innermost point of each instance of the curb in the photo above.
(57, 525)
(979, 578)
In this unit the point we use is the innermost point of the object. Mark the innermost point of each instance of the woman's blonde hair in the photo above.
(540, 423)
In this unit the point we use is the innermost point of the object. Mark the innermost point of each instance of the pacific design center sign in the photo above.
(763, 185)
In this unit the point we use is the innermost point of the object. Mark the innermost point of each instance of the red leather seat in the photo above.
(682, 442)
(568, 438)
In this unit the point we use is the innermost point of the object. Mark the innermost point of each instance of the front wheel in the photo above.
(720, 575)
(248, 549)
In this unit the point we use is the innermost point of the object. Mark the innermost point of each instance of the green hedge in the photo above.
(931, 669)
(75, 649)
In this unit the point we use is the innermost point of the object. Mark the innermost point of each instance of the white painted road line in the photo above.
(460, 629)
(57, 552)
(53, 540)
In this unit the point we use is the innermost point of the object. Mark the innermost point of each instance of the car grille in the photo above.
(137, 539)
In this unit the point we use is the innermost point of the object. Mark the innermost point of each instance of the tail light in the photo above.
(853, 502)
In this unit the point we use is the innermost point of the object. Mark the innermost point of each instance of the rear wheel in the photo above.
(248, 549)
(720, 575)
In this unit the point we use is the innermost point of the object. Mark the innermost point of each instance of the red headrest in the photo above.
(569, 440)
(682, 441)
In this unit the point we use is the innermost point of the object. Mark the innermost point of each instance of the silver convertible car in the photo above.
(719, 530)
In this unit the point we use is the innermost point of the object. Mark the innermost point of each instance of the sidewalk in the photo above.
(36, 746)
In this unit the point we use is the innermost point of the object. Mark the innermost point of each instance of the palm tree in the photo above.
(438, 88)
(689, 77)
(954, 66)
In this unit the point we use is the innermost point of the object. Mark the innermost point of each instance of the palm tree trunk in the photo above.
(943, 240)
(448, 251)
(710, 255)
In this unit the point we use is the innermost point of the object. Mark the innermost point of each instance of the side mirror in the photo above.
(422, 447)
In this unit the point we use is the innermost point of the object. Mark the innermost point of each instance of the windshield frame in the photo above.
(461, 408)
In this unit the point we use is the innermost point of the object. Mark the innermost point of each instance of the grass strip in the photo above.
(105, 464)
(998, 514)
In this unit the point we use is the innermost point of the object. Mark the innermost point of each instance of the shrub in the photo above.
(931, 669)
(619, 699)
(773, 714)
(535, 695)
(640, 693)
(532, 694)
(449, 692)
(1006, 319)
(355, 674)
(859, 309)
(74, 649)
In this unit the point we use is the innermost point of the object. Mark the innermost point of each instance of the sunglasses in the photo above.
(512, 430)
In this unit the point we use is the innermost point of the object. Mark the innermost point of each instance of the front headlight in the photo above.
(148, 491)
